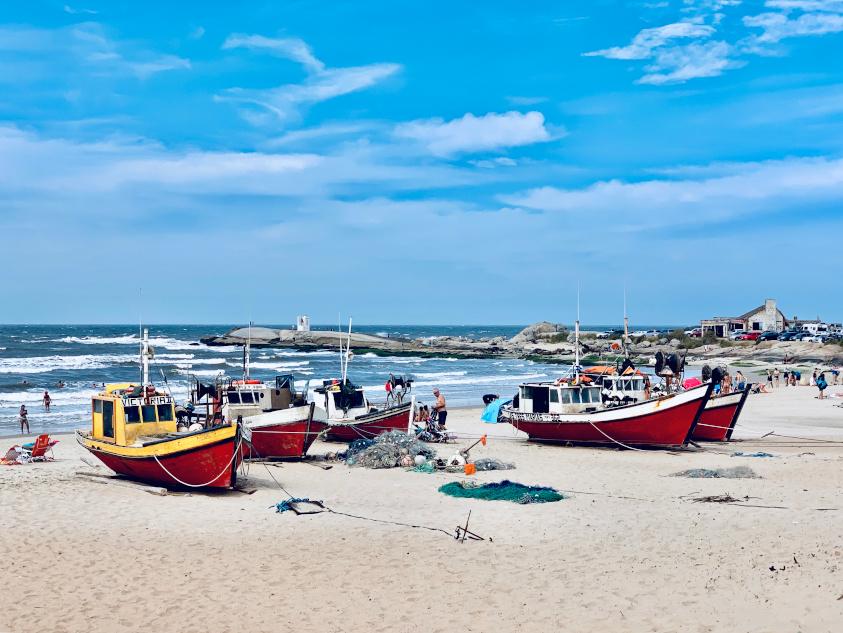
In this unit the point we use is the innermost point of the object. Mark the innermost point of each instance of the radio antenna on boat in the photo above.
(347, 352)
(145, 354)
(246, 353)
(577, 337)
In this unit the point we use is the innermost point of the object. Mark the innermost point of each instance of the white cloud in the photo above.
(806, 5)
(778, 26)
(647, 40)
(291, 48)
(746, 188)
(83, 46)
(677, 64)
(322, 83)
(70, 10)
(490, 132)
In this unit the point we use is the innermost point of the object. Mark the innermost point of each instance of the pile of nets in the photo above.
(503, 491)
(490, 463)
(738, 472)
(388, 450)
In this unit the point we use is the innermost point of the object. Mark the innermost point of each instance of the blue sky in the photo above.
(433, 162)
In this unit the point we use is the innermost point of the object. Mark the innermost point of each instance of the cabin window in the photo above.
(97, 406)
(233, 397)
(554, 395)
(107, 418)
(575, 396)
(148, 411)
(566, 396)
(165, 413)
(246, 397)
(132, 415)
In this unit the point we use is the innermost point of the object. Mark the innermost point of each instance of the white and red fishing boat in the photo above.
(281, 423)
(575, 409)
(573, 412)
(718, 419)
(351, 416)
(134, 433)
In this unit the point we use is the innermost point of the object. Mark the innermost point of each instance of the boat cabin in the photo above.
(624, 389)
(125, 412)
(559, 398)
(244, 398)
(339, 400)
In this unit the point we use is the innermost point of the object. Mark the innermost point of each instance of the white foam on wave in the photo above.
(46, 364)
(274, 365)
(439, 374)
(198, 372)
(130, 339)
(163, 342)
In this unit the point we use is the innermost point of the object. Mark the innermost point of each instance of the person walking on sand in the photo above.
(440, 408)
(786, 375)
(776, 376)
(821, 385)
(46, 400)
(24, 419)
(814, 378)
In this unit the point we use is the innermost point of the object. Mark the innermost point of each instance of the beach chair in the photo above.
(41, 449)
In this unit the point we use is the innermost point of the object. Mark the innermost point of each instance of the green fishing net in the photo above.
(502, 491)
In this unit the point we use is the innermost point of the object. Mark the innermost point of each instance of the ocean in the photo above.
(35, 358)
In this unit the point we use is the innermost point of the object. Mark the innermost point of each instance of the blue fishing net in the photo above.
(502, 491)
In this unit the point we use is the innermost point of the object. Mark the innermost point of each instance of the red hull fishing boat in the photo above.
(285, 433)
(350, 415)
(134, 432)
(372, 424)
(719, 417)
(665, 421)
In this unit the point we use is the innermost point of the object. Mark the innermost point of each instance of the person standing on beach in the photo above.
(776, 376)
(786, 377)
(740, 380)
(46, 400)
(814, 378)
(821, 385)
(440, 408)
(770, 378)
(24, 419)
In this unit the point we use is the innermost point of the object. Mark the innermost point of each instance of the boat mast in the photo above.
(347, 351)
(145, 357)
(246, 353)
(625, 326)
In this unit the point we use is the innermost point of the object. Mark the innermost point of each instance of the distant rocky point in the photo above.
(542, 341)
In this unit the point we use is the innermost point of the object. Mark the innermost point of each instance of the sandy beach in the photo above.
(627, 550)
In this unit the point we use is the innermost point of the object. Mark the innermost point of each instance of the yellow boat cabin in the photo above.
(125, 412)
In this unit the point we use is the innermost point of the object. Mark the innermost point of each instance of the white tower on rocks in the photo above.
(302, 323)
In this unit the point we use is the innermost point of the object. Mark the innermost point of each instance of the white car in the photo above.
(736, 334)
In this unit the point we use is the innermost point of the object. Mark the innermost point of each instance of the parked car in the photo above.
(749, 336)
(695, 333)
(736, 335)
(814, 338)
(769, 335)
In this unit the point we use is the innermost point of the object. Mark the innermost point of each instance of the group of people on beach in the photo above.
(23, 412)
(438, 412)
(793, 378)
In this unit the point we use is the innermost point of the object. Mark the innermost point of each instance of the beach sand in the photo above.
(627, 551)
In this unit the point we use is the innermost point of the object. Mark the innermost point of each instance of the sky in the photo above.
(425, 163)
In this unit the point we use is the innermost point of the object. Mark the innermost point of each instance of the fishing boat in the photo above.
(572, 410)
(281, 422)
(134, 433)
(719, 417)
(350, 414)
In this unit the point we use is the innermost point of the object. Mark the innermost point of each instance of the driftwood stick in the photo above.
(109, 479)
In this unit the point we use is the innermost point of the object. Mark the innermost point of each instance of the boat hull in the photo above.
(209, 463)
(719, 417)
(664, 422)
(372, 424)
(284, 434)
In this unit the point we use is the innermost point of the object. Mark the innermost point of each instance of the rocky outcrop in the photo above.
(541, 341)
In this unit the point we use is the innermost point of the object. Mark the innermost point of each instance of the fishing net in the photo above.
(389, 450)
(490, 463)
(502, 491)
(738, 472)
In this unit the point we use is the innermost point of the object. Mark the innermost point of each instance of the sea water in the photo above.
(35, 358)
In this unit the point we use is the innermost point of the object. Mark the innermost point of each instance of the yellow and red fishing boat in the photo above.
(134, 433)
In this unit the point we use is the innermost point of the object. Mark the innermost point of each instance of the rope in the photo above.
(184, 483)
(611, 439)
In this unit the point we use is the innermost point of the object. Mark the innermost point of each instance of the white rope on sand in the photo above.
(184, 483)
